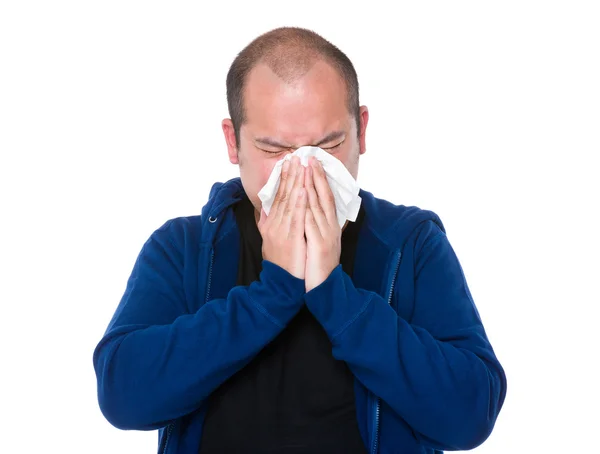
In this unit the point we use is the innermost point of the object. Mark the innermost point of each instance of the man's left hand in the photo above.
(323, 233)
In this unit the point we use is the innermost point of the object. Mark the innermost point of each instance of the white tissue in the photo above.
(343, 185)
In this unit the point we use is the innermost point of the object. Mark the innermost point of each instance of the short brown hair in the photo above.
(290, 52)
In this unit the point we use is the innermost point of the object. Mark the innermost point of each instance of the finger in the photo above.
(310, 227)
(295, 181)
(289, 211)
(282, 193)
(326, 198)
(313, 202)
(285, 191)
(262, 219)
(299, 215)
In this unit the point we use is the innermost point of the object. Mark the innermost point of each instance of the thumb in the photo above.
(263, 217)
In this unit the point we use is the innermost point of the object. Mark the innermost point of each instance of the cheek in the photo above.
(350, 160)
(266, 169)
(258, 172)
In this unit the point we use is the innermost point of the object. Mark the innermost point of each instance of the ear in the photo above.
(364, 120)
(229, 133)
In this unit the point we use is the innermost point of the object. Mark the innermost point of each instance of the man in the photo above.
(241, 332)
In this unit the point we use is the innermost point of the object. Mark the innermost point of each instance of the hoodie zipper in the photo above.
(212, 256)
(378, 399)
(169, 430)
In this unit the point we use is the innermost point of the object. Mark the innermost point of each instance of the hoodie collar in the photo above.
(390, 224)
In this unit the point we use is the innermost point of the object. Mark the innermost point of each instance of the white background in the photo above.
(486, 112)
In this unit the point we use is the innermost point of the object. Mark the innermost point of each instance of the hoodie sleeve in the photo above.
(439, 373)
(156, 362)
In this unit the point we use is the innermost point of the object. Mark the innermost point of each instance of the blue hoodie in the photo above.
(426, 376)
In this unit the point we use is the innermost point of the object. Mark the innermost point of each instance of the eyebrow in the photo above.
(274, 143)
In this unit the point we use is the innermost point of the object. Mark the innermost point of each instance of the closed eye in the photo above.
(273, 152)
(289, 149)
(334, 147)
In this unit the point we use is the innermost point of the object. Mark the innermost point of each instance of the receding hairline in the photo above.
(290, 53)
(291, 74)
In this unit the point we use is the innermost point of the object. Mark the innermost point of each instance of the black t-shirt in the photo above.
(294, 396)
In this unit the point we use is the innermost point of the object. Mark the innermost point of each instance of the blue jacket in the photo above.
(426, 376)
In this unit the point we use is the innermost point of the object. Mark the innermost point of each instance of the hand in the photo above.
(323, 233)
(283, 230)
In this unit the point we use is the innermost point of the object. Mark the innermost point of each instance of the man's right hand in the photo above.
(282, 231)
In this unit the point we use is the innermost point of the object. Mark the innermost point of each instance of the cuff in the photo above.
(278, 294)
(336, 303)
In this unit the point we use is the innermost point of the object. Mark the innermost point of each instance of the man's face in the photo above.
(282, 117)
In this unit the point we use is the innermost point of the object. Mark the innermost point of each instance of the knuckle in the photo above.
(283, 197)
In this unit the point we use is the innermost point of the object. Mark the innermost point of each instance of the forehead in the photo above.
(312, 104)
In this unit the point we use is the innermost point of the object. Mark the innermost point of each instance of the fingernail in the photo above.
(286, 165)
